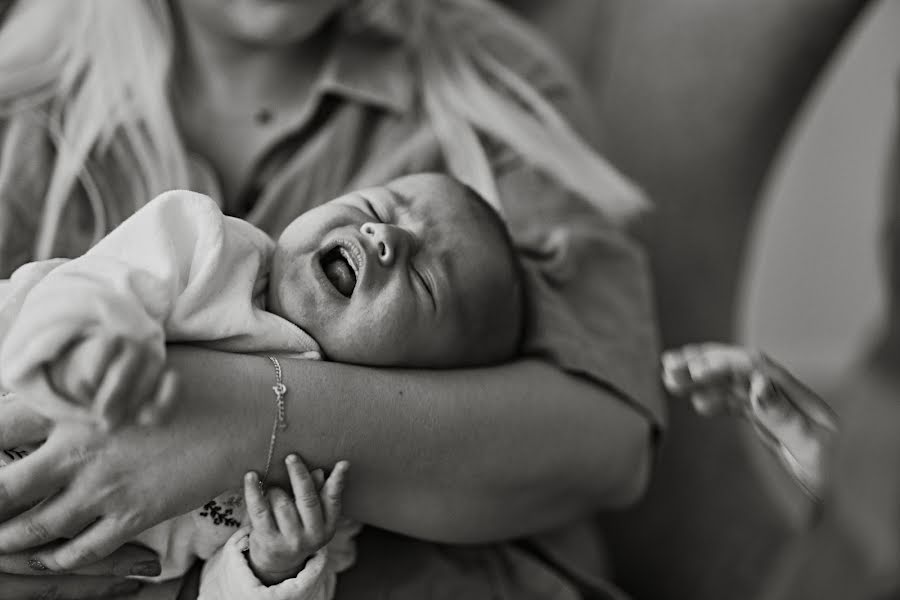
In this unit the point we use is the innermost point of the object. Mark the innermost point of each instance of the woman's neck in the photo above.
(229, 74)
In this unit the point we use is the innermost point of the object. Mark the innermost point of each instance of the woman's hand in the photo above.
(21, 577)
(66, 587)
(97, 490)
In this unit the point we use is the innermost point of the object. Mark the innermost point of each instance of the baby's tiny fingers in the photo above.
(332, 494)
(257, 505)
(306, 496)
(286, 517)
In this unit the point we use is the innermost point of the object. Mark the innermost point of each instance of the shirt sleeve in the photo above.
(227, 575)
(589, 296)
(591, 310)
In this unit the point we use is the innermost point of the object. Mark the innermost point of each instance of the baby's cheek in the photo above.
(364, 339)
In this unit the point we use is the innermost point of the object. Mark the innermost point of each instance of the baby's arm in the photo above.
(789, 418)
(281, 555)
(288, 531)
(92, 332)
(84, 339)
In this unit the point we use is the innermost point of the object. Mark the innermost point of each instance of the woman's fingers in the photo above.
(20, 425)
(158, 409)
(66, 587)
(26, 482)
(92, 545)
(79, 369)
(257, 505)
(130, 559)
(45, 523)
(332, 494)
(306, 496)
(127, 383)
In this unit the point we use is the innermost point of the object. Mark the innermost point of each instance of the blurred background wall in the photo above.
(812, 294)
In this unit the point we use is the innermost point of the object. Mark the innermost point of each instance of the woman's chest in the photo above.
(232, 150)
(271, 175)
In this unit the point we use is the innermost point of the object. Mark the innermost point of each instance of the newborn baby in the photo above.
(420, 272)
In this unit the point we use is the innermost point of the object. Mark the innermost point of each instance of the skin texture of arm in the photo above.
(451, 456)
(466, 457)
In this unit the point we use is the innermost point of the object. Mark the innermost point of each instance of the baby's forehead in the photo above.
(451, 215)
(427, 187)
(434, 197)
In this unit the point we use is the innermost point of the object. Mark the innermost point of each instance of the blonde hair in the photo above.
(102, 72)
(103, 67)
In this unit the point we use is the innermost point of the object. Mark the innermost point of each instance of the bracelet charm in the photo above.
(280, 423)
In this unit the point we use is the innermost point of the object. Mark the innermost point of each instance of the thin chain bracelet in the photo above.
(280, 423)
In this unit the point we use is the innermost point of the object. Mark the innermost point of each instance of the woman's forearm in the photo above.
(455, 456)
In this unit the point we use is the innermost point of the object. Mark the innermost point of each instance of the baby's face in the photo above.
(400, 275)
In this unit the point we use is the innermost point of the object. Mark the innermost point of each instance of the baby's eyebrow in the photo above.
(399, 199)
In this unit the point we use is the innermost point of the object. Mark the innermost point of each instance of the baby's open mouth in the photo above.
(340, 269)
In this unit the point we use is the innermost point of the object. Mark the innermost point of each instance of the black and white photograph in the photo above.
(450, 299)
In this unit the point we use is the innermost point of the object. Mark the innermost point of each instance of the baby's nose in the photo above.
(389, 240)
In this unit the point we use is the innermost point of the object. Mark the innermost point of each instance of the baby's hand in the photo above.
(791, 419)
(287, 531)
(121, 380)
(715, 377)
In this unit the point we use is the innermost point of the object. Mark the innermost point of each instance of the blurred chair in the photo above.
(696, 97)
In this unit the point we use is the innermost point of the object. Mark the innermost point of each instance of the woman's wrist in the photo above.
(242, 427)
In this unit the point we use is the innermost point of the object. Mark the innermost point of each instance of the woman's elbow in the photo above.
(629, 473)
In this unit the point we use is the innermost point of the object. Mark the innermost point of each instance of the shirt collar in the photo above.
(370, 68)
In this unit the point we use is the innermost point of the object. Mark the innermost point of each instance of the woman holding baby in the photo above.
(273, 108)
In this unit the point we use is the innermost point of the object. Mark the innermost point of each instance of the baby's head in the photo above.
(420, 272)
